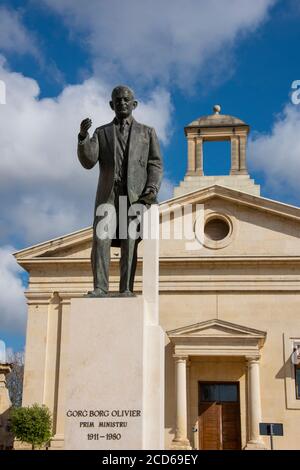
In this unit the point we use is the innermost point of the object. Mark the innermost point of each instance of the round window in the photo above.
(216, 229)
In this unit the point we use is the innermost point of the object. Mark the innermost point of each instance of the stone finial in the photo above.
(217, 109)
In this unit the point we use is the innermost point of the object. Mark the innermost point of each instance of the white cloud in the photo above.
(44, 191)
(14, 37)
(2, 352)
(167, 189)
(12, 300)
(276, 154)
(155, 39)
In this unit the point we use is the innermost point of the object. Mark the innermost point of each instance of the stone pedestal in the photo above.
(115, 376)
(115, 372)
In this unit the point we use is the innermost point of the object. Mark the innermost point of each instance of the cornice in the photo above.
(234, 260)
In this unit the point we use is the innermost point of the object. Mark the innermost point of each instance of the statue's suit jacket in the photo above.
(144, 169)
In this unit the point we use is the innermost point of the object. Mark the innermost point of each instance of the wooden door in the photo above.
(231, 433)
(209, 426)
(219, 416)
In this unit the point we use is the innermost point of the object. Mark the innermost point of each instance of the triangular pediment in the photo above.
(66, 245)
(215, 328)
(78, 244)
(217, 338)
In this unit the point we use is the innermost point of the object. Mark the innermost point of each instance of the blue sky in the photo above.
(59, 60)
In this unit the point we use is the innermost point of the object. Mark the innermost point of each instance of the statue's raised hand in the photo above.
(84, 127)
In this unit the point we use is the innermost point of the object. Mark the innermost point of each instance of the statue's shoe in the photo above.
(127, 293)
(96, 293)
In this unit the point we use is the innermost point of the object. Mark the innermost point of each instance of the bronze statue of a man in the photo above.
(130, 164)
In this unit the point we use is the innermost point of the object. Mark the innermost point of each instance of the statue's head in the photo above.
(122, 101)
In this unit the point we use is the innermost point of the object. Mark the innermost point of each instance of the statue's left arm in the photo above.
(154, 166)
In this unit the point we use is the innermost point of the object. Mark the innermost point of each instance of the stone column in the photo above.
(35, 371)
(199, 156)
(254, 404)
(191, 155)
(151, 263)
(53, 342)
(181, 441)
(188, 374)
(243, 164)
(235, 157)
(57, 441)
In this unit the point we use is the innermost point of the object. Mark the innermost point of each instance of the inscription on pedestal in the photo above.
(102, 425)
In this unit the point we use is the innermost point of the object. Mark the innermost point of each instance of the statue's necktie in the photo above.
(122, 127)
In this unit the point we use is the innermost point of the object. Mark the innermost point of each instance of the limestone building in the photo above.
(6, 437)
(229, 306)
